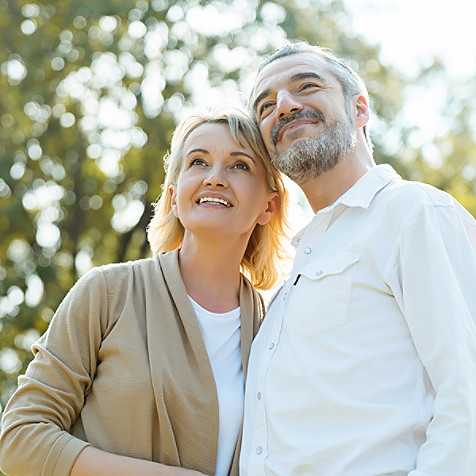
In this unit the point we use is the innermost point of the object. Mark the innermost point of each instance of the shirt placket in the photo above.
(305, 250)
(260, 441)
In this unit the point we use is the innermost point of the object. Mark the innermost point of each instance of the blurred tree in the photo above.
(90, 95)
(448, 161)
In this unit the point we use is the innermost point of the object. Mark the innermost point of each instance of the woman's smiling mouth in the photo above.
(215, 201)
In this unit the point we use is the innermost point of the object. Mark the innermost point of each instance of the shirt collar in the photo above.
(364, 190)
(361, 193)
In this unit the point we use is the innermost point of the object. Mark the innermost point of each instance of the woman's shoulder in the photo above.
(114, 277)
(125, 268)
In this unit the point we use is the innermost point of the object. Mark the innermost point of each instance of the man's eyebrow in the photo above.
(292, 79)
(260, 97)
(307, 74)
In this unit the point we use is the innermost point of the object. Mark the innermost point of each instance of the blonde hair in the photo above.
(261, 261)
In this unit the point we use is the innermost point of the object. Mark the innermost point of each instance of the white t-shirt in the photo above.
(222, 336)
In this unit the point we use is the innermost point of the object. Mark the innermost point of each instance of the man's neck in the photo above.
(324, 190)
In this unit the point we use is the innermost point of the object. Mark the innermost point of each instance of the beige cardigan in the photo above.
(123, 367)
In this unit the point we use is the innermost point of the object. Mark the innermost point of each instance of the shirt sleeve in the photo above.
(35, 437)
(434, 282)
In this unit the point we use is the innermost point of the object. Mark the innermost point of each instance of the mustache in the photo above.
(313, 113)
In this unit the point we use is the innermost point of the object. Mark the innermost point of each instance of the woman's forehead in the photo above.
(215, 135)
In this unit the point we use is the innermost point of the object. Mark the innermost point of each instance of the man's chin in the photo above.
(295, 161)
(284, 145)
(304, 160)
(307, 158)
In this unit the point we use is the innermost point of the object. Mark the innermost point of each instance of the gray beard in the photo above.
(310, 157)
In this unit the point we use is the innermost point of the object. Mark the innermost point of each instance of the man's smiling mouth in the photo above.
(293, 125)
(309, 115)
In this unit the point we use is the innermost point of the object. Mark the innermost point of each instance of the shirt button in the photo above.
(307, 250)
(285, 295)
(259, 395)
(318, 273)
(259, 450)
(271, 346)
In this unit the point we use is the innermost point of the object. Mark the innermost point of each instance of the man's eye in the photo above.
(265, 108)
(307, 86)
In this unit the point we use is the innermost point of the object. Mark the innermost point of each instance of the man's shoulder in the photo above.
(410, 195)
(404, 202)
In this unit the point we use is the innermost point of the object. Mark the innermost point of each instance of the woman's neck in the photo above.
(211, 272)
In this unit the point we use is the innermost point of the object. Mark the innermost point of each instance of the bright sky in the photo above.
(410, 30)
(411, 33)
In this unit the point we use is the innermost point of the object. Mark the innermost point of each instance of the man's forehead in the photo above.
(289, 68)
(295, 60)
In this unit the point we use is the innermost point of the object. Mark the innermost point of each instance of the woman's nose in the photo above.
(216, 178)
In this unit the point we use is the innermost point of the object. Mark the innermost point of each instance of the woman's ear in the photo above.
(272, 205)
(361, 110)
(173, 199)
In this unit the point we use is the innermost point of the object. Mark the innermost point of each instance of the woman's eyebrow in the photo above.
(204, 151)
(193, 151)
(243, 153)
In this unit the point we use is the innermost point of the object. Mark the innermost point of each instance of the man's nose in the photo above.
(287, 105)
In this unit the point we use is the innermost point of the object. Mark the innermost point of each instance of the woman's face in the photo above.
(222, 186)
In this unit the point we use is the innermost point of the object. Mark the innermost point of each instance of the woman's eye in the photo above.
(197, 162)
(242, 166)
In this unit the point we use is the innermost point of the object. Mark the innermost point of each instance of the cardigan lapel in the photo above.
(252, 310)
(170, 268)
(182, 377)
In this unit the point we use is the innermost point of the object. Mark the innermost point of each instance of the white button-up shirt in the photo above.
(366, 362)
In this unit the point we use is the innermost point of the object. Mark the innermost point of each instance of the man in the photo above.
(366, 362)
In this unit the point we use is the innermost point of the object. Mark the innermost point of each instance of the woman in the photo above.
(141, 371)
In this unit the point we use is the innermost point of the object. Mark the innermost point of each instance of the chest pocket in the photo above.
(320, 299)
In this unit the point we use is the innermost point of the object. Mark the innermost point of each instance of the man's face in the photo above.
(302, 115)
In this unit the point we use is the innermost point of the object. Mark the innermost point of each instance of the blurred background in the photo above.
(90, 92)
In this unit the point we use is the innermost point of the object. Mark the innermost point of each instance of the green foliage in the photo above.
(90, 93)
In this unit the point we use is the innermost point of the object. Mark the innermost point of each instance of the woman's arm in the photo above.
(35, 437)
(94, 462)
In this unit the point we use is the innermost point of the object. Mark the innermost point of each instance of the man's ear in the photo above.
(173, 199)
(361, 110)
(272, 205)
